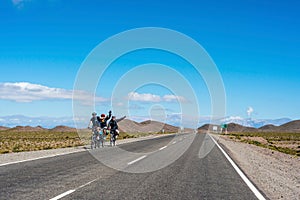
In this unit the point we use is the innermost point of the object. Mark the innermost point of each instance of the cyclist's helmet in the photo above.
(102, 115)
(94, 114)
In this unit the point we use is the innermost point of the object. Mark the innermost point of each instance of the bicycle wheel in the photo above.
(92, 142)
(98, 141)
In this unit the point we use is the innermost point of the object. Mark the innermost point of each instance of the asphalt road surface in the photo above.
(181, 167)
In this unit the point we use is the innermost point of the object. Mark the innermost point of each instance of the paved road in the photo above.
(80, 176)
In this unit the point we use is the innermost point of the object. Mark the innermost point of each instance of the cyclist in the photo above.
(94, 122)
(103, 119)
(95, 130)
(114, 129)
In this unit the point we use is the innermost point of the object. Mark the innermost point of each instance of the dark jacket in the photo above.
(103, 122)
(113, 124)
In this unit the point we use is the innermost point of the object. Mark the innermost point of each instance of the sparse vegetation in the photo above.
(11, 141)
(18, 141)
(288, 143)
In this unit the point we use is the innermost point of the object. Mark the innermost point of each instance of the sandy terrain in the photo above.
(274, 173)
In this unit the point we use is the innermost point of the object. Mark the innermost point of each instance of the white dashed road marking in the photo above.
(163, 148)
(63, 194)
(71, 191)
(136, 160)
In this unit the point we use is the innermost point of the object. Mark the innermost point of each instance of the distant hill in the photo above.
(3, 128)
(293, 126)
(205, 128)
(28, 129)
(166, 127)
(63, 129)
(268, 127)
(39, 128)
(232, 127)
(148, 126)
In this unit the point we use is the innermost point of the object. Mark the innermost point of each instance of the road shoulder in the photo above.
(275, 173)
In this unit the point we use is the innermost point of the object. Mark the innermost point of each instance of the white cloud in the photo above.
(170, 97)
(147, 97)
(28, 92)
(250, 110)
(231, 119)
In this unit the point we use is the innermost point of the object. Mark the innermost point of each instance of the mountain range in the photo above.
(46, 122)
(126, 125)
(50, 122)
(292, 126)
(256, 123)
(38, 129)
(149, 126)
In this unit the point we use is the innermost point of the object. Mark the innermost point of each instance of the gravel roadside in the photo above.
(276, 174)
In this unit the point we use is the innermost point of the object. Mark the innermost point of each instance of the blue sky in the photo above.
(255, 45)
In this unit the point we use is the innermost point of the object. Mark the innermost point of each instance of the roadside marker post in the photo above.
(224, 126)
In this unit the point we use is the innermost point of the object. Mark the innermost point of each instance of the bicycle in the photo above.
(97, 138)
(113, 137)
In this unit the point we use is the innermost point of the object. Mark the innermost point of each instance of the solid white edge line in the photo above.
(63, 195)
(138, 159)
(242, 175)
(31, 159)
(163, 148)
